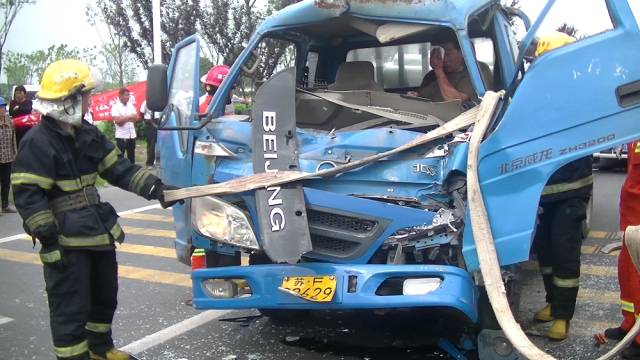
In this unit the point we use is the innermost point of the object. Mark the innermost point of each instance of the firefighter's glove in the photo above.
(51, 255)
(157, 192)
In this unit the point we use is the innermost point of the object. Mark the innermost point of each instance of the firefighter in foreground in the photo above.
(563, 209)
(628, 276)
(54, 189)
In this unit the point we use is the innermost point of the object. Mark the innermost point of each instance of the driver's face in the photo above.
(453, 59)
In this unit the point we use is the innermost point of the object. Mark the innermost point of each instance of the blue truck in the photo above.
(331, 229)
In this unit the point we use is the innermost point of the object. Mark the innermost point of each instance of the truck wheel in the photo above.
(486, 317)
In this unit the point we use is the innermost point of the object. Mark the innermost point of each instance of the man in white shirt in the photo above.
(151, 132)
(124, 116)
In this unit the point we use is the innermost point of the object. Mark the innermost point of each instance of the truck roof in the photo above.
(451, 12)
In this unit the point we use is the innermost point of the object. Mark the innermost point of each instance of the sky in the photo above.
(50, 22)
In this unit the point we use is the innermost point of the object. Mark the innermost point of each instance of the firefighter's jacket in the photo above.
(53, 180)
(574, 179)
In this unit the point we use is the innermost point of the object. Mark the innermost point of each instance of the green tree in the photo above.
(27, 68)
(117, 64)
(132, 19)
(569, 30)
(17, 68)
(9, 9)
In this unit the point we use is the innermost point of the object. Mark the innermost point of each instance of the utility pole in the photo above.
(157, 45)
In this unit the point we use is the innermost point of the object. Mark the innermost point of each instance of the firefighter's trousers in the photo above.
(557, 242)
(629, 280)
(82, 299)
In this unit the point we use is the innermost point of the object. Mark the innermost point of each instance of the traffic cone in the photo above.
(198, 259)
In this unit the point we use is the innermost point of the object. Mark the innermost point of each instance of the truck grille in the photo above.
(332, 246)
(339, 235)
(340, 222)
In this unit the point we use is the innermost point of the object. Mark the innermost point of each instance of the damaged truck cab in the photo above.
(351, 233)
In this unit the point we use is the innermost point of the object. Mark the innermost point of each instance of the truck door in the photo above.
(176, 146)
(572, 101)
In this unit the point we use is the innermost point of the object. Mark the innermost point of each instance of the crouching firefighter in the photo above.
(53, 179)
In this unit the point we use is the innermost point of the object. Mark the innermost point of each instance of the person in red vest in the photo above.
(628, 276)
(212, 81)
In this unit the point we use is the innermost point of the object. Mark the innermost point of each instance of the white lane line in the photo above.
(126, 212)
(4, 320)
(14, 237)
(178, 329)
(140, 209)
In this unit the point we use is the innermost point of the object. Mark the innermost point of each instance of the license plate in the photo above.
(312, 288)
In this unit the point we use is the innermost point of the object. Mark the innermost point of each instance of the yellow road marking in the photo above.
(147, 250)
(598, 270)
(143, 250)
(605, 235)
(599, 296)
(588, 249)
(594, 234)
(130, 230)
(124, 271)
(155, 276)
(148, 217)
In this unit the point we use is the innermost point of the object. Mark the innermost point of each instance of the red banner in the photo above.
(100, 107)
(101, 103)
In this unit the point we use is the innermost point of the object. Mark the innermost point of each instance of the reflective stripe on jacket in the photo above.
(53, 166)
(574, 179)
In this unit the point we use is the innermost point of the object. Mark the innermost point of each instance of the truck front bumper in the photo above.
(356, 287)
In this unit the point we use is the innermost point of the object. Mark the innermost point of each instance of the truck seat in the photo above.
(355, 75)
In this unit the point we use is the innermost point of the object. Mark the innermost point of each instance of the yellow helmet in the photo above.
(66, 77)
(552, 41)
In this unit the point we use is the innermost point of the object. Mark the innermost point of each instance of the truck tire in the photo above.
(486, 316)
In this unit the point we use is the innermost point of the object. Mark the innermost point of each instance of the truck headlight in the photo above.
(223, 222)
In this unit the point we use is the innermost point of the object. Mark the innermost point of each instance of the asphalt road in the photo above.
(155, 321)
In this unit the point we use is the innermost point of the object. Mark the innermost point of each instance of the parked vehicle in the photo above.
(335, 230)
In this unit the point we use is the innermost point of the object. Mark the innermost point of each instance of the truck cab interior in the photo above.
(374, 64)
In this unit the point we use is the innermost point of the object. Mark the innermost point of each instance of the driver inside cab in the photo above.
(449, 78)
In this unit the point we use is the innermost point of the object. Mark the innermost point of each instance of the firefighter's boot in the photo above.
(632, 352)
(559, 330)
(544, 314)
(615, 333)
(113, 354)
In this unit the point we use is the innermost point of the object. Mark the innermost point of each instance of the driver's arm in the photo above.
(448, 91)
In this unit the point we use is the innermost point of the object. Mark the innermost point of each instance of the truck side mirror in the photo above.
(157, 88)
